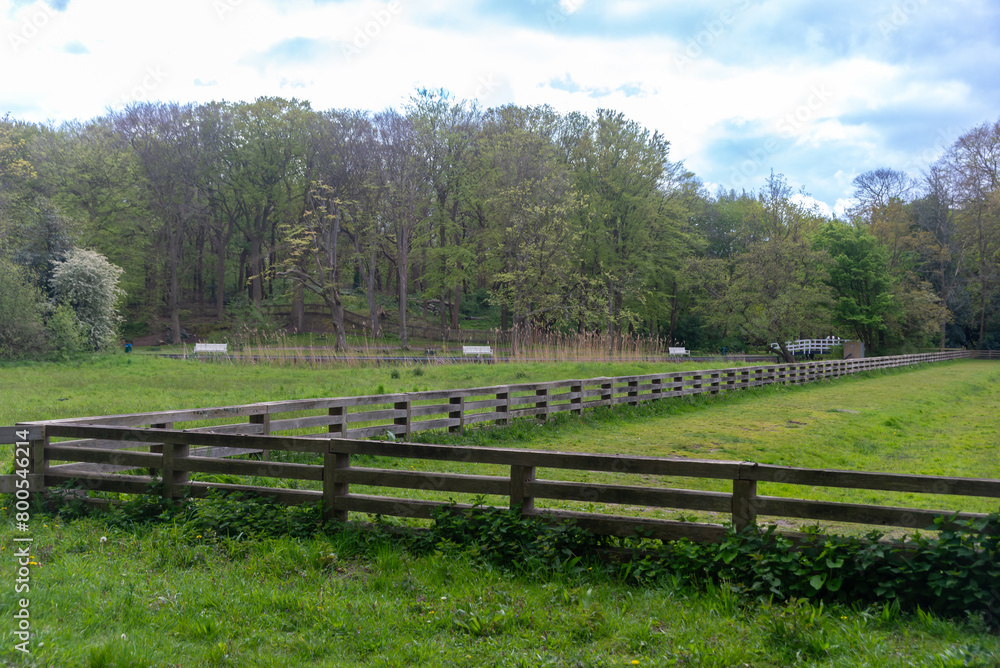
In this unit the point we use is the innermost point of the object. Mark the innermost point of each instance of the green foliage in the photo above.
(249, 325)
(218, 516)
(507, 539)
(66, 336)
(769, 286)
(21, 328)
(860, 280)
(88, 283)
(954, 574)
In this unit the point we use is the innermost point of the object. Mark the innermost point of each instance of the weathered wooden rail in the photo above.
(525, 487)
(104, 453)
(403, 414)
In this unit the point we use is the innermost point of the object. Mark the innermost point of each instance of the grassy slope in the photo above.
(161, 598)
(125, 384)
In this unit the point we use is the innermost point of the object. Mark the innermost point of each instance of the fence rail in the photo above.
(181, 453)
(811, 345)
(128, 453)
(403, 414)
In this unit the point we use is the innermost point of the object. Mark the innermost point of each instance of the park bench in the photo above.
(678, 351)
(211, 348)
(477, 350)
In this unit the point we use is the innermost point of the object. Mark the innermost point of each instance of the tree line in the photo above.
(568, 222)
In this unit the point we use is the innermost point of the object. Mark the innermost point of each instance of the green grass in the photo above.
(159, 597)
(155, 597)
(933, 420)
(105, 385)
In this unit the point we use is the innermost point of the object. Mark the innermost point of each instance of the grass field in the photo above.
(157, 596)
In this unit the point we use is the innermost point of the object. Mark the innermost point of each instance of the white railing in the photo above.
(811, 345)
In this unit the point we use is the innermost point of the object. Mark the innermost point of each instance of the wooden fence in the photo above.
(105, 452)
(405, 413)
(174, 455)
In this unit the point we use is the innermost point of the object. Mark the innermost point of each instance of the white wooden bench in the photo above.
(678, 351)
(211, 348)
(479, 351)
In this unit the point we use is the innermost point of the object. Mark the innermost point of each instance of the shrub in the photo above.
(21, 329)
(65, 333)
(248, 324)
(88, 283)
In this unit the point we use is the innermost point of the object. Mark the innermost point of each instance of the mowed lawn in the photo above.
(158, 596)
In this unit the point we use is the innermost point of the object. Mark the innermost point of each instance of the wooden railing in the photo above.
(403, 414)
(181, 453)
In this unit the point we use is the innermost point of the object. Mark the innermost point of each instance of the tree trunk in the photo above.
(298, 309)
(337, 311)
(256, 289)
(982, 313)
(455, 304)
(673, 316)
(173, 296)
(369, 277)
(220, 285)
(401, 276)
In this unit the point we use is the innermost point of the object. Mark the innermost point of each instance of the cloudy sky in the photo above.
(819, 92)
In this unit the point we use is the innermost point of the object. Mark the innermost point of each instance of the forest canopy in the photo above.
(522, 215)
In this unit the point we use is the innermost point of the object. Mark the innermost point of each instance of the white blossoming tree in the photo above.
(87, 282)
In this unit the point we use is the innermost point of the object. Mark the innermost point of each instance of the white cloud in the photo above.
(812, 204)
(368, 54)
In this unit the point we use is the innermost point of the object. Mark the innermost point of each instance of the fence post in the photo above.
(339, 428)
(519, 476)
(174, 476)
(577, 400)
(744, 493)
(264, 420)
(35, 439)
(543, 404)
(157, 448)
(332, 490)
(503, 410)
(459, 413)
(404, 420)
(657, 387)
(606, 393)
(633, 392)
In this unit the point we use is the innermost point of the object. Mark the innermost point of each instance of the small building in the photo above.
(854, 350)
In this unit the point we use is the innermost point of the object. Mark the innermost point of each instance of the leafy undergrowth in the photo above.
(230, 581)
